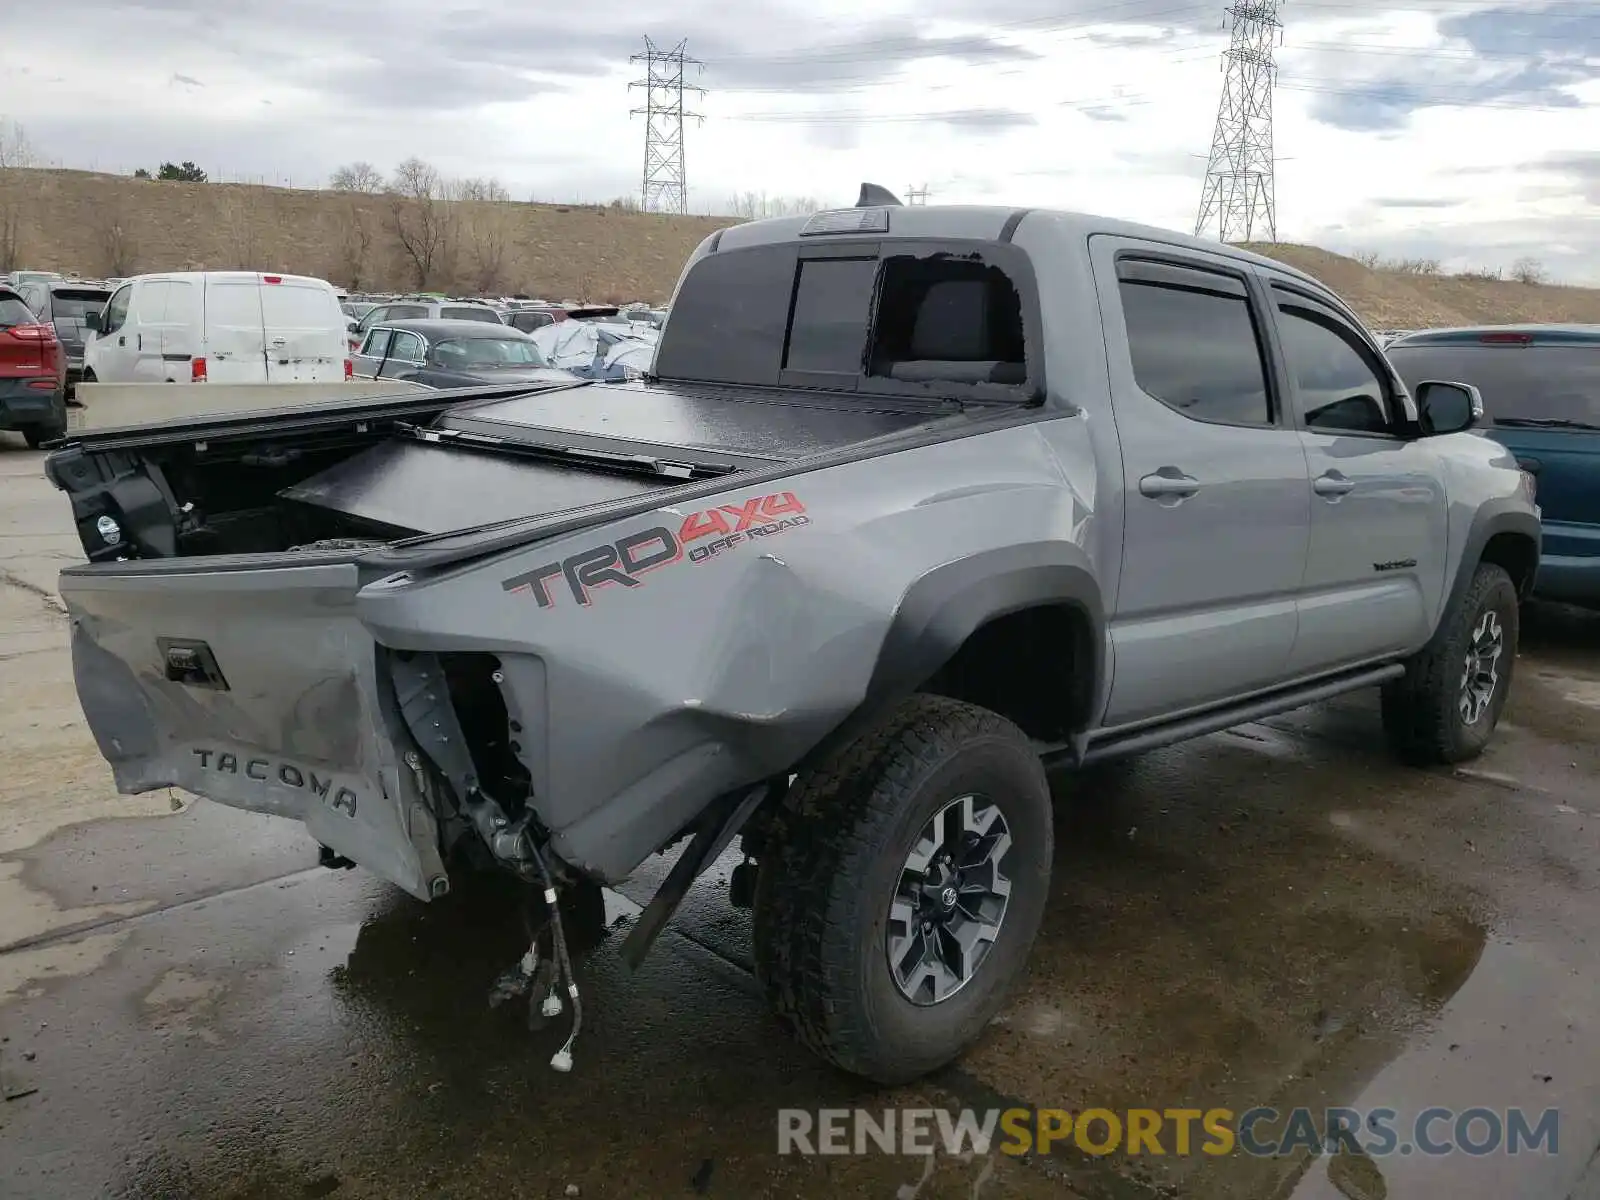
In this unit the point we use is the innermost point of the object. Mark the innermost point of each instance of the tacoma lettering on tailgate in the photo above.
(623, 561)
(267, 770)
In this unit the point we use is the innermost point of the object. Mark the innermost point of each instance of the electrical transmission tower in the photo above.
(1240, 197)
(666, 179)
(917, 195)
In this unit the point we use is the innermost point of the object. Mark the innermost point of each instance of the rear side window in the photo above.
(71, 305)
(1519, 383)
(1196, 351)
(377, 343)
(471, 314)
(14, 312)
(405, 312)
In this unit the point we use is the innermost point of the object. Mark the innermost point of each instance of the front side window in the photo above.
(1339, 391)
(1197, 352)
(117, 308)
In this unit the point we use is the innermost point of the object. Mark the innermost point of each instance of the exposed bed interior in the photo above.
(812, 354)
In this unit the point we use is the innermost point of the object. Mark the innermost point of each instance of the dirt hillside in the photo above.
(114, 225)
(1391, 299)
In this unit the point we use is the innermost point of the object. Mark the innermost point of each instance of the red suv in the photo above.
(33, 373)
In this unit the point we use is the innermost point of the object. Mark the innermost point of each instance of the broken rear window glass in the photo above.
(948, 319)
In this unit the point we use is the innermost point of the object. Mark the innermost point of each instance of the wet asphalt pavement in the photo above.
(1277, 915)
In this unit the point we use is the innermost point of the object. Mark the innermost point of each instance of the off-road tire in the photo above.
(831, 867)
(1421, 712)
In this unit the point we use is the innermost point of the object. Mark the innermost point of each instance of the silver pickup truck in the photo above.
(914, 502)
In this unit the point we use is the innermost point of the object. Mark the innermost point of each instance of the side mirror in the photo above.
(1447, 407)
(91, 320)
(352, 326)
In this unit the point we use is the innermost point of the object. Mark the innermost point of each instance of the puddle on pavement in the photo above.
(1220, 939)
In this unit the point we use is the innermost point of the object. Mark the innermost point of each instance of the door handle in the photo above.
(122, 340)
(1333, 483)
(1168, 483)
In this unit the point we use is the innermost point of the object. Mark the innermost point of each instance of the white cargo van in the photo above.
(218, 326)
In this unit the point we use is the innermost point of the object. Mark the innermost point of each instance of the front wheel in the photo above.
(1446, 708)
(902, 887)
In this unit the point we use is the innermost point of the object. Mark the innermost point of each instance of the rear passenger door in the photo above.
(1217, 501)
(364, 364)
(1375, 572)
(405, 356)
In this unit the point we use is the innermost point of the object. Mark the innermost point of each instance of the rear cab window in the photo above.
(897, 317)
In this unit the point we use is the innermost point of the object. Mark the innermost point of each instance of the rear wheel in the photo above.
(901, 888)
(1446, 708)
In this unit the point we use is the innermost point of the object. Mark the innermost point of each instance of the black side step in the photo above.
(1217, 719)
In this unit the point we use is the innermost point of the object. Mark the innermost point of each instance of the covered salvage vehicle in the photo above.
(597, 350)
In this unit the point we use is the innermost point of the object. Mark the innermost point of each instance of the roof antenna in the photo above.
(874, 195)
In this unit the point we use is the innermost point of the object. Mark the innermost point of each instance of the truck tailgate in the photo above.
(255, 686)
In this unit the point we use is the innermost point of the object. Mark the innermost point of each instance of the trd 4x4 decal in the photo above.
(701, 536)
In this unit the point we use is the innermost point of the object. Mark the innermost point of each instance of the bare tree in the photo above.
(117, 248)
(487, 240)
(16, 150)
(358, 176)
(1529, 270)
(753, 206)
(480, 189)
(355, 246)
(422, 219)
(240, 221)
(10, 235)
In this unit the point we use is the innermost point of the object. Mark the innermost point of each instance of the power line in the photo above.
(665, 186)
(1240, 189)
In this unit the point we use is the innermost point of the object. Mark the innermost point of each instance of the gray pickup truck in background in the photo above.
(915, 502)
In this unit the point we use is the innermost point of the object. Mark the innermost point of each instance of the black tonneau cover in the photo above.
(501, 459)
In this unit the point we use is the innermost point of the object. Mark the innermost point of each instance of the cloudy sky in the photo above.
(1465, 131)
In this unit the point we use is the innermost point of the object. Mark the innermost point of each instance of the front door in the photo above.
(1216, 498)
(1375, 574)
(146, 320)
(110, 355)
